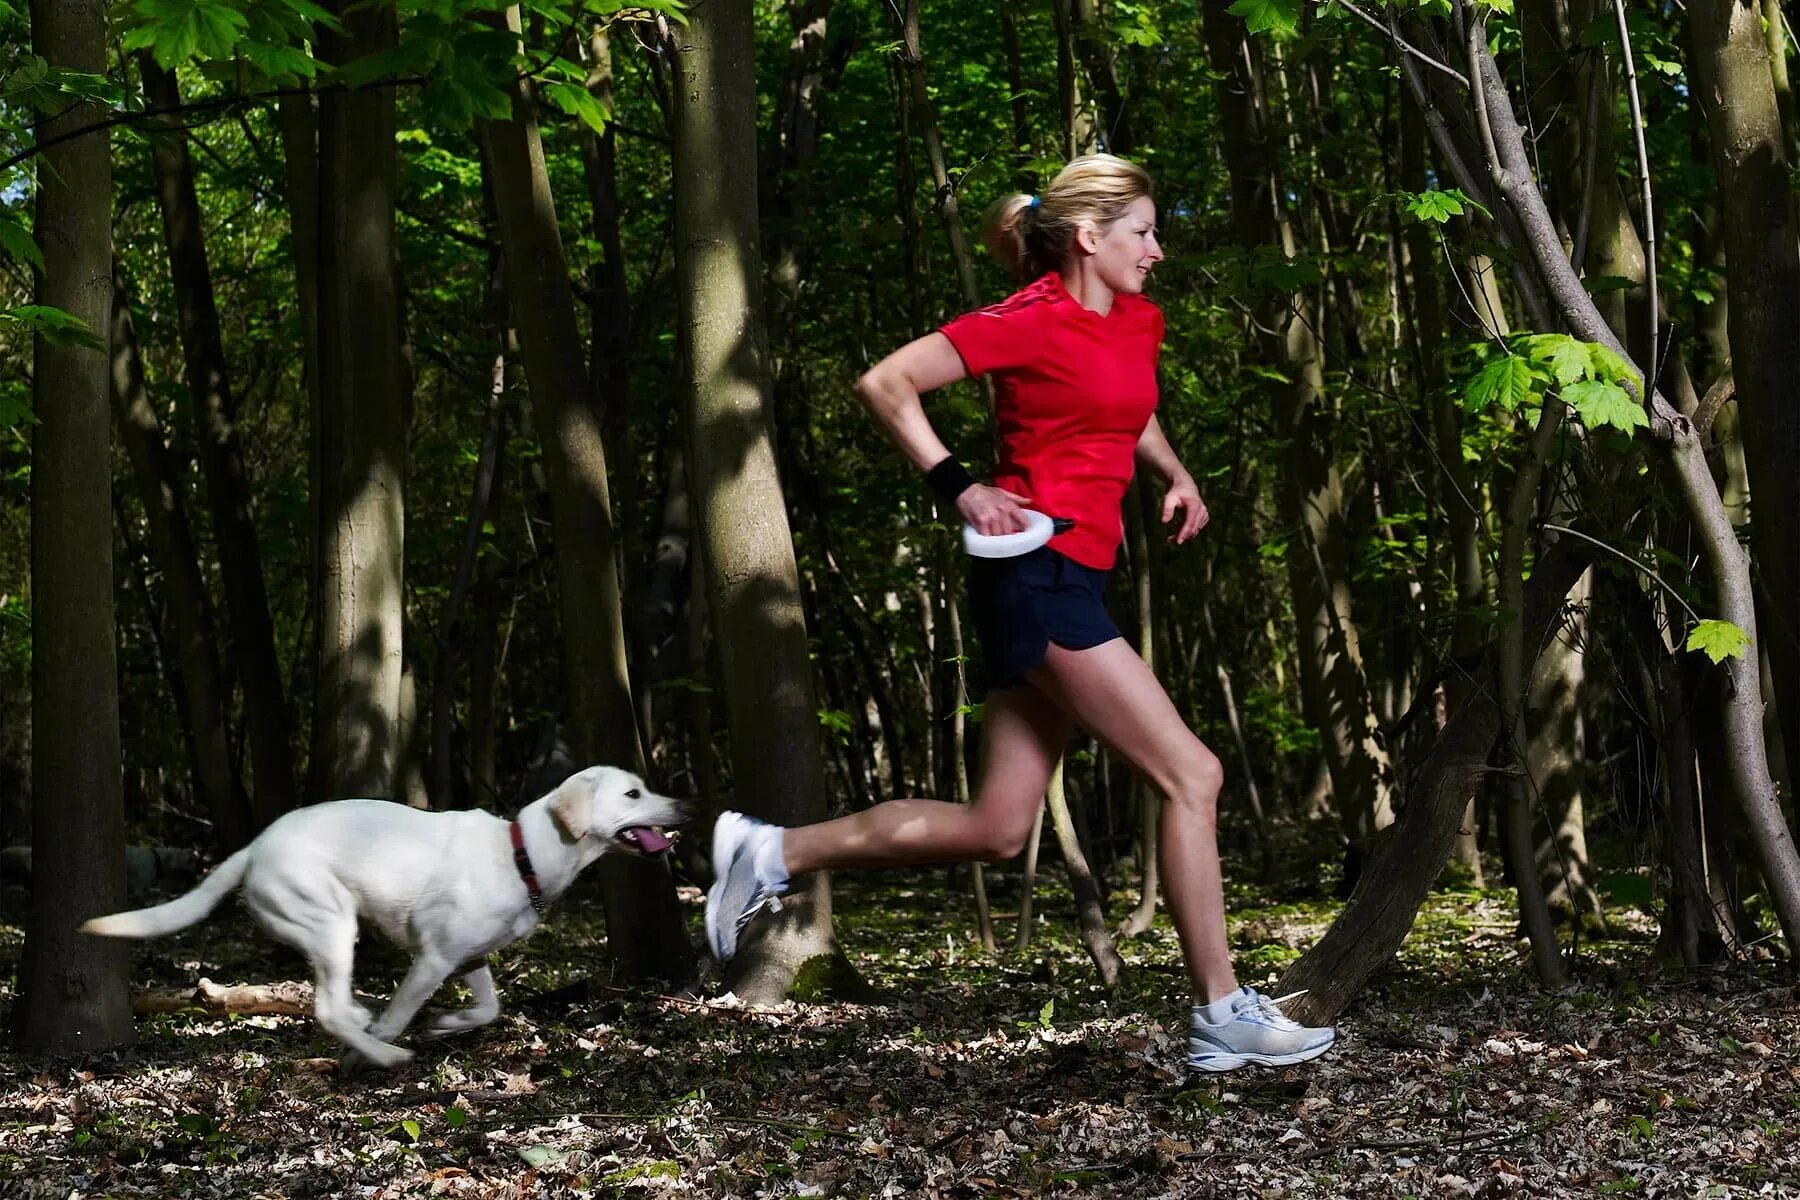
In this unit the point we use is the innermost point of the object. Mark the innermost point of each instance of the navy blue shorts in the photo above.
(1020, 605)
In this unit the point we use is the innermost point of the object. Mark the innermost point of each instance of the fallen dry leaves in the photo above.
(977, 1077)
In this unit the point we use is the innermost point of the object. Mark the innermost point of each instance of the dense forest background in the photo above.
(441, 395)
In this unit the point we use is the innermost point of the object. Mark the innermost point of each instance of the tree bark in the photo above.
(73, 996)
(187, 605)
(1088, 908)
(752, 581)
(1089, 36)
(362, 435)
(1555, 747)
(483, 490)
(1747, 759)
(258, 668)
(644, 928)
(1734, 84)
(1333, 684)
(1413, 850)
(1140, 517)
(1555, 295)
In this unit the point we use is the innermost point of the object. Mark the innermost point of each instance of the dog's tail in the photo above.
(180, 912)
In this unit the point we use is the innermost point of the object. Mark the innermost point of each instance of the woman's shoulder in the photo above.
(1039, 297)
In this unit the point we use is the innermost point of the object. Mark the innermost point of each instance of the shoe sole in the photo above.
(716, 893)
(1217, 1063)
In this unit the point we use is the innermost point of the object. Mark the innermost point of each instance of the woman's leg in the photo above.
(1023, 735)
(1111, 693)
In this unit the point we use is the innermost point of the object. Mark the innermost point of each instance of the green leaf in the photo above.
(1047, 1012)
(1268, 16)
(15, 409)
(578, 102)
(411, 1128)
(1601, 402)
(1609, 366)
(17, 241)
(455, 1117)
(1437, 207)
(280, 62)
(1566, 357)
(1568, 361)
(1718, 640)
(55, 326)
(1506, 383)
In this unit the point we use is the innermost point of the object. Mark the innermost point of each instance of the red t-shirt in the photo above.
(1073, 393)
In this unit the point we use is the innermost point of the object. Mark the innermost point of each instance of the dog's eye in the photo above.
(634, 794)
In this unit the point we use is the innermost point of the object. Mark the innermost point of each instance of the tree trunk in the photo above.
(1733, 81)
(258, 668)
(1459, 497)
(73, 996)
(300, 171)
(1555, 749)
(187, 605)
(644, 927)
(609, 334)
(1515, 674)
(1555, 294)
(912, 61)
(1088, 908)
(1775, 30)
(1747, 759)
(752, 581)
(483, 490)
(959, 732)
(362, 432)
(1413, 850)
(1140, 517)
(1089, 37)
(1332, 681)
(1028, 878)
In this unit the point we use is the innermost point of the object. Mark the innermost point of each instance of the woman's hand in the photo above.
(1183, 500)
(991, 510)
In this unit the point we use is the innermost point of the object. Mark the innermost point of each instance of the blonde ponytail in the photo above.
(1034, 234)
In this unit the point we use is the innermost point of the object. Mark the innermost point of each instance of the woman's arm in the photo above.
(892, 390)
(1183, 495)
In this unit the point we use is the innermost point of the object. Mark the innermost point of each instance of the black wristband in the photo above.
(950, 479)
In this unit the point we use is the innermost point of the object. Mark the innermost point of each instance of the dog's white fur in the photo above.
(440, 885)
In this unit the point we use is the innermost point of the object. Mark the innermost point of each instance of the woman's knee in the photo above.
(998, 840)
(1198, 783)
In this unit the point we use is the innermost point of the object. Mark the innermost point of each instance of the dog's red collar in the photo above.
(522, 861)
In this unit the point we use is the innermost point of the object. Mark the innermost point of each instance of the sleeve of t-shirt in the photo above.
(993, 339)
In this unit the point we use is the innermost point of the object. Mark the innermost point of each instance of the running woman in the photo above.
(1073, 358)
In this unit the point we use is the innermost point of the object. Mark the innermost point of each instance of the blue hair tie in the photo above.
(1035, 201)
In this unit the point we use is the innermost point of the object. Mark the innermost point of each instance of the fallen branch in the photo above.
(288, 998)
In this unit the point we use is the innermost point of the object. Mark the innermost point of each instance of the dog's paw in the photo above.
(460, 1021)
(356, 1061)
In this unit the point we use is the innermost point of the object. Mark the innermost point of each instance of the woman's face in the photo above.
(1124, 251)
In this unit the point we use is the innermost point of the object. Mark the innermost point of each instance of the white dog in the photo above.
(450, 887)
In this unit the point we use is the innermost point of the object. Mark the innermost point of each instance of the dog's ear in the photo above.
(571, 807)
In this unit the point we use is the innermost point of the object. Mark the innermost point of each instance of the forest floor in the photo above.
(975, 1075)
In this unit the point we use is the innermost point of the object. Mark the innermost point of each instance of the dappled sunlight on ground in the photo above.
(975, 1075)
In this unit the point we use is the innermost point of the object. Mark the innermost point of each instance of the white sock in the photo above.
(1219, 1011)
(768, 860)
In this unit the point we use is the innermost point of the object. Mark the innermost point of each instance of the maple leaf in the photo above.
(1718, 640)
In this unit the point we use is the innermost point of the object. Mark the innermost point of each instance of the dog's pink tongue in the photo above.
(650, 840)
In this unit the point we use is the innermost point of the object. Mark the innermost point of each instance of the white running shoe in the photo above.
(736, 894)
(1257, 1033)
